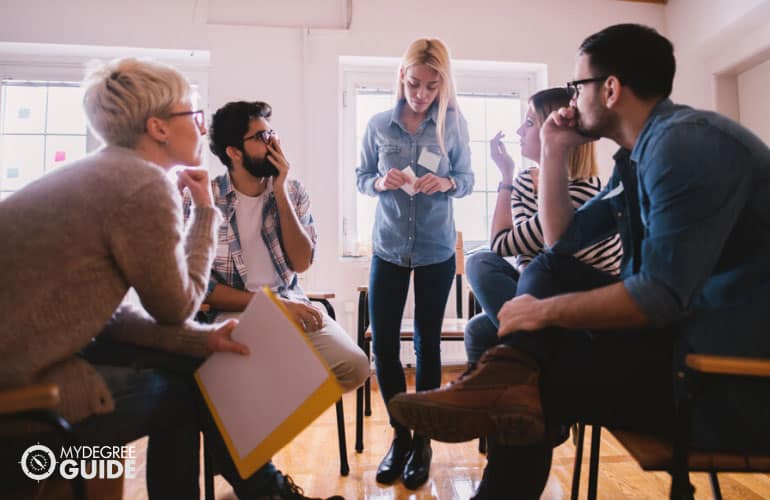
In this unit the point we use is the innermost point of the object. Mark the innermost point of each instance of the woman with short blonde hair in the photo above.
(75, 241)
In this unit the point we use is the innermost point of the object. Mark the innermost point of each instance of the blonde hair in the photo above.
(122, 94)
(581, 162)
(433, 53)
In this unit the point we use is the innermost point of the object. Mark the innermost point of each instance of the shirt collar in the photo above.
(661, 108)
(395, 116)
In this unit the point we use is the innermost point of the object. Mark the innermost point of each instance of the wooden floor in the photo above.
(312, 460)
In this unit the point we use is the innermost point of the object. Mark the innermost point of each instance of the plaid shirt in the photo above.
(229, 268)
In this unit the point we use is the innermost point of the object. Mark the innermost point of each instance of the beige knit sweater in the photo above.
(71, 245)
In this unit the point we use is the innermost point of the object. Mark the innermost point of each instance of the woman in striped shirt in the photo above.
(516, 230)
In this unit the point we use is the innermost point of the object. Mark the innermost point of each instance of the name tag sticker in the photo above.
(429, 160)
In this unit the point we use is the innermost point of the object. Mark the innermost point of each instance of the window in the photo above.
(42, 126)
(489, 101)
(42, 122)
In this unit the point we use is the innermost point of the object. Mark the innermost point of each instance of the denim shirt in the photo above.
(417, 230)
(699, 250)
(701, 241)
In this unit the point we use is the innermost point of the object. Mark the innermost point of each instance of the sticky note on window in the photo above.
(24, 113)
(60, 156)
(12, 173)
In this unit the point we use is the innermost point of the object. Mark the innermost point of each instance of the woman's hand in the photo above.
(197, 181)
(220, 340)
(432, 183)
(501, 157)
(394, 179)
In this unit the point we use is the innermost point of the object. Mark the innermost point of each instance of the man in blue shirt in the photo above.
(690, 196)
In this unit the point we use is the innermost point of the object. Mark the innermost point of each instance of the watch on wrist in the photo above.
(502, 186)
(453, 183)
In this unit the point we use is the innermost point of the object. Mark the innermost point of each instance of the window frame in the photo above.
(57, 63)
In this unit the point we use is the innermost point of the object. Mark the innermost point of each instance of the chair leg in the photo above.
(208, 474)
(593, 466)
(715, 489)
(368, 386)
(581, 431)
(360, 419)
(344, 467)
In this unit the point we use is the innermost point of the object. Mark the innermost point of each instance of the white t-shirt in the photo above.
(259, 266)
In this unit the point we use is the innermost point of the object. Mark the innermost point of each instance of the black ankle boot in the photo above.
(392, 464)
(418, 466)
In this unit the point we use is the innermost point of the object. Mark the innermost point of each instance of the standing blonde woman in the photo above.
(73, 243)
(415, 158)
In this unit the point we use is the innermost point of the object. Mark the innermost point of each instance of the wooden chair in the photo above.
(208, 465)
(452, 329)
(37, 403)
(656, 454)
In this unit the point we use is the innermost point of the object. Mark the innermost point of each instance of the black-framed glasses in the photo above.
(262, 135)
(573, 88)
(197, 115)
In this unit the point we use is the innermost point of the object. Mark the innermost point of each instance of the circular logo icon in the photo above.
(38, 462)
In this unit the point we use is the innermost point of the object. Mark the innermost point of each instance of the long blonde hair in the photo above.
(431, 52)
(581, 162)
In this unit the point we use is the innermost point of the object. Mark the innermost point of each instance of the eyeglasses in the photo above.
(262, 135)
(573, 88)
(197, 115)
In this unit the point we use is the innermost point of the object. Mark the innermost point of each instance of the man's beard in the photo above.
(259, 167)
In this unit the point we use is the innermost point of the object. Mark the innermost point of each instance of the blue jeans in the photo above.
(494, 282)
(620, 378)
(388, 288)
(156, 396)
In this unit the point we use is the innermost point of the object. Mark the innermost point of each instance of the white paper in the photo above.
(429, 160)
(254, 394)
(408, 188)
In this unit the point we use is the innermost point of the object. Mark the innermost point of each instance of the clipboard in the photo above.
(260, 402)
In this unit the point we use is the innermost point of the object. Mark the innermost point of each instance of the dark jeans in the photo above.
(156, 396)
(619, 378)
(494, 281)
(388, 288)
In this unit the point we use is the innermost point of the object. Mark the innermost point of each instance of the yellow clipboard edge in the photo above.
(321, 399)
(286, 313)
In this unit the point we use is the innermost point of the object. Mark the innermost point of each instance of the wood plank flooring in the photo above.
(312, 460)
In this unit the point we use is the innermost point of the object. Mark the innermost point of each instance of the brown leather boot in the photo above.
(500, 399)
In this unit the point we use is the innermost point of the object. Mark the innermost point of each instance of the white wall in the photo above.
(715, 40)
(295, 69)
(753, 87)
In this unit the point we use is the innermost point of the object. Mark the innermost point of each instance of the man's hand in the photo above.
(524, 312)
(560, 130)
(276, 157)
(308, 316)
(220, 340)
(432, 183)
(197, 181)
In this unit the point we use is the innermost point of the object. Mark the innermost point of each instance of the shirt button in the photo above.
(410, 219)
(620, 214)
(410, 237)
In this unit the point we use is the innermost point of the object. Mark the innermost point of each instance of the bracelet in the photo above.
(501, 186)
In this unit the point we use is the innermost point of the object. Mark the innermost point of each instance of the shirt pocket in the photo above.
(390, 156)
(443, 165)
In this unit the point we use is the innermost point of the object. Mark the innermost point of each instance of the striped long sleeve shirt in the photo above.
(525, 239)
